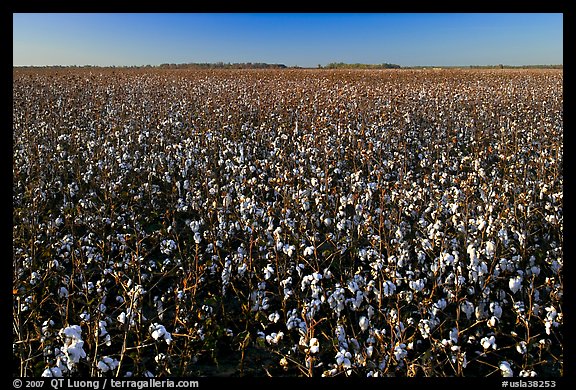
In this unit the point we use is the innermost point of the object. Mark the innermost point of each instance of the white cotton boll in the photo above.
(53, 372)
(369, 351)
(416, 285)
(242, 269)
(274, 338)
(274, 317)
(471, 250)
(265, 305)
(493, 321)
(468, 308)
(314, 345)
(454, 335)
(488, 342)
(490, 249)
(424, 327)
(157, 331)
(515, 283)
(102, 326)
(496, 309)
(364, 323)
(343, 358)
(399, 235)
(74, 352)
(279, 246)
(521, 347)
(289, 250)
(505, 369)
(277, 232)
(161, 357)
(309, 251)
(370, 311)
(388, 288)
(107, 364)
(400, 352)
(84, 317)
(70, 333)
(63, 292)
(197, 238)
(268, 271)
(448, 259)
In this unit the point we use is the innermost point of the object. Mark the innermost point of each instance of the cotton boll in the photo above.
(490, 249)
(308, 251)
(314, 345)
(107, 364)
(505, 369)
(53, 372)
(521, 347)
(159, 331)
(515, 283)
(488, 342)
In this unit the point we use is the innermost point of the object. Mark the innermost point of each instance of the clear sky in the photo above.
(406, 39)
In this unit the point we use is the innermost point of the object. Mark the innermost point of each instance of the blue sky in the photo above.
(292, 39)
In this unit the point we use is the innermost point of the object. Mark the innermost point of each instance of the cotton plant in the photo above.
(369, 236)
(69, 356)
(159, 332)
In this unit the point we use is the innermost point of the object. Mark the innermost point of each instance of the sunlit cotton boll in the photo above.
(468, 308)
(490, 249)
(288, 249)
(388, 288)
(158, 331)
(274, 317)
(314, 345)
(268, 271)
(364, 323)
(488, 342)
(343, 358)
(493, 321)
(416, 285)
(521, 347)
(400, 352)
(515, 283)
(107, 364)
(73, 345)
(274, 338)
(505, 369)
(53, 372)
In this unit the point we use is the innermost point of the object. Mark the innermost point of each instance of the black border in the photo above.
(410, 6)
(395, 6)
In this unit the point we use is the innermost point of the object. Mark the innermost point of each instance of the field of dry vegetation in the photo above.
(287, 222)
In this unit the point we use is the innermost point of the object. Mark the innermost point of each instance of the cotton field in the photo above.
(365, 223)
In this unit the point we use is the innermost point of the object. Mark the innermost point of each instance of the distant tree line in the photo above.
(262, 65)
(342, 65)
(501, 66)
(222, 65)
